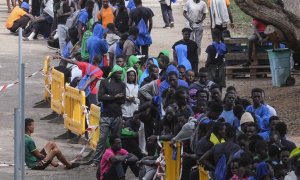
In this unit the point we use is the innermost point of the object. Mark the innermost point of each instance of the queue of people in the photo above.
(147, 99)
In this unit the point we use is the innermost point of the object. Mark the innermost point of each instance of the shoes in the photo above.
(172, 24)
(73, 165)
(167, 27)
(53, 48)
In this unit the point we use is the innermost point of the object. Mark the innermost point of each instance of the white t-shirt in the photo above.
(195, 11)
(291, 176)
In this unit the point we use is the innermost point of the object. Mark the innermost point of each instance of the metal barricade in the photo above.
(74, 110)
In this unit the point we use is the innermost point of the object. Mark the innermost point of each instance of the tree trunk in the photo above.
(293, 6)
(287, 22)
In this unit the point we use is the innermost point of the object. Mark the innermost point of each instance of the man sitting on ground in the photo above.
(115, 160)
(40, 160)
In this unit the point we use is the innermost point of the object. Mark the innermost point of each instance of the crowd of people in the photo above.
(104, 51)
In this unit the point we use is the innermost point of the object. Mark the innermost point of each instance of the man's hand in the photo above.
(120, 95)
(56, 56)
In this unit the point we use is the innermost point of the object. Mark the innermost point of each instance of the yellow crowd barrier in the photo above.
(74, 110)
(94, 122)
(203, 175)
(173, 166)
(47, 80)
(57, 90)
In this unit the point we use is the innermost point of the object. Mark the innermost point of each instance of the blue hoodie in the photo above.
(96, 45)
(146, 72)
(165, 84)
(181, 51)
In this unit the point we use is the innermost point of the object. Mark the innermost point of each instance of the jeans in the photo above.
(196, 36)
(112, 125)
(22, 22)
(62, 36)
(167, 14)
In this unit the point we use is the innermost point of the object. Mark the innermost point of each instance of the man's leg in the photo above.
(145, 50)
(52, 151)
(116, 125)
(198, 38)
(252, 39)
(170, 15)
(164, 10)
(115, 172)
(22, 22)
(62, 36)
(104, 130)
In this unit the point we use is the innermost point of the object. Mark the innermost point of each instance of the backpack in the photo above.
(86, 77)
(73, 19)
(144, 37)
(221, 168)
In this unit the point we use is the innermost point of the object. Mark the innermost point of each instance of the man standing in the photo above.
(84, 16)
(191, 46)
(195, 12)
(141, 17)
(96, 45)
(130, 46)
(106, 14)
(167, 14)
(64, 11)
(112, 94)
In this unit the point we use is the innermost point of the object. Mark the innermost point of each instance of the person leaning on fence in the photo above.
(112, 94)
(93, 73)
(40, 160)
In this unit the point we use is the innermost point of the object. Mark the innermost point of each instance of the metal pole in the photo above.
(16, 144)
(21, 123)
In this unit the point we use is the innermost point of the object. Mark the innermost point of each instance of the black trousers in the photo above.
(118, 170)
(22, 22)
(144, 50)
(36, 7)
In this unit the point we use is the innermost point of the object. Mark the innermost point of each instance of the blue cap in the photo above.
(25, 5)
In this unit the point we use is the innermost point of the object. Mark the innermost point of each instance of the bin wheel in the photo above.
(290, 81)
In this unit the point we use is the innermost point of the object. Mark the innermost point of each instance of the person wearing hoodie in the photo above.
(134, 62)
(97, 46)
(132, 102)
(111, 36)
(112, 94)
(146, 73)
(87, 34)
(172, 82)
(153, 75)
(158, 87)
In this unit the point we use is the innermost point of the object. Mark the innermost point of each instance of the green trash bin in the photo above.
(280, 66)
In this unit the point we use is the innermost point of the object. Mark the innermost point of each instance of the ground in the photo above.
(286, 100)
